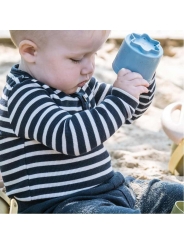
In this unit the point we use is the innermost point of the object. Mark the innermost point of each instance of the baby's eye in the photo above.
(76, 61)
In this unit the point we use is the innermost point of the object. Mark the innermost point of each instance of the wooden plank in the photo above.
(118, 34)
(4, 34)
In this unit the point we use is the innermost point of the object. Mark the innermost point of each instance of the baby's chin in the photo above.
(70, 91)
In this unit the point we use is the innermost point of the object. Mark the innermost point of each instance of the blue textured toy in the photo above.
(139, 53)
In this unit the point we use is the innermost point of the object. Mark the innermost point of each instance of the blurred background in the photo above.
(142, 149)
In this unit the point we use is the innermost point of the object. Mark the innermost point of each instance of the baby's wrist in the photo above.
(122, 94)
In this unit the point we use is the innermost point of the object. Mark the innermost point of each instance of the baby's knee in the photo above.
(175, 191)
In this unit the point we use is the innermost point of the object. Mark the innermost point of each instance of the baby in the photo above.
(55, 117)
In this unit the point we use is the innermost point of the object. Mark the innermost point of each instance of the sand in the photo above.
(142, 149)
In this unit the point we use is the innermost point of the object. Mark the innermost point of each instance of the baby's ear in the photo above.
(28, 50)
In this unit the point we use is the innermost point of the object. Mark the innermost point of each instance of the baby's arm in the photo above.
(134, 84)
(102, 90)
(129, 82)
(145, 100)
(34, 115)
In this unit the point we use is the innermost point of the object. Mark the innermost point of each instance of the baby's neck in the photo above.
(24, 67)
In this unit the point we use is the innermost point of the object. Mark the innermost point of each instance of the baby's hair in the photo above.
(40, 37)
(33, 35)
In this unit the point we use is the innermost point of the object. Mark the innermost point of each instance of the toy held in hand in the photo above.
(139, 53)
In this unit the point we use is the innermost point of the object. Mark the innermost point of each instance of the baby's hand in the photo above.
(131, 82)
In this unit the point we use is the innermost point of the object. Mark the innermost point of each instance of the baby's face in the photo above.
(68, 62)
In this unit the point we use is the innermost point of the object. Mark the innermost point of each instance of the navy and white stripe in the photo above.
(52, 143)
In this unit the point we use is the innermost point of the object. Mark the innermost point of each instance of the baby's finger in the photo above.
(140, 82)
(123, 72)
(143, 89)
(132, 75)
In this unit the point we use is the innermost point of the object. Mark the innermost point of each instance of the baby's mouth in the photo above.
(82, 83)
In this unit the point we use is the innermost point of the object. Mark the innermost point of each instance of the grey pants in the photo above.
(133, 196)
(118, 195)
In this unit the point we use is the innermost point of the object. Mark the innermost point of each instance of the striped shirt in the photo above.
(52, 143)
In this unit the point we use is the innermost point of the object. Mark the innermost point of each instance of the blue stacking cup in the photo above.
(138, 53)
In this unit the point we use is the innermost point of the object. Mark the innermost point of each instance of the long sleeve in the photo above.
(102, 90)
(34, 115)
(145, 101)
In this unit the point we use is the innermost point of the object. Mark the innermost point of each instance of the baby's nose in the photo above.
(88, 68)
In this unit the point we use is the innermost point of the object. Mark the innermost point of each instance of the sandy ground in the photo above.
(141, 150)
